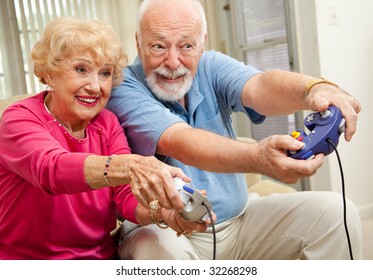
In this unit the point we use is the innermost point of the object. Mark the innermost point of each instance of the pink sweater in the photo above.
(47, 210)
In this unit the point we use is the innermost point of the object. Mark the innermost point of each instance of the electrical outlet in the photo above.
(333, 17)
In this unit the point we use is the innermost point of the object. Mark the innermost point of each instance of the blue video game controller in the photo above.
(193, 210)
(322, 126)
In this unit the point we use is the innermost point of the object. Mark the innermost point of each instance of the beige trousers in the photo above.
(301, 225)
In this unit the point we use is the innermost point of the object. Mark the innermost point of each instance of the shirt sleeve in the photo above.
(142, 116)
(228, 77)
(30, 151)
(126, 203)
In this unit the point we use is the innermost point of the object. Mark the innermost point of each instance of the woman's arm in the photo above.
(149, 178)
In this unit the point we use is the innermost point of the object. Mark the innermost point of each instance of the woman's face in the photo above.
(81, 90)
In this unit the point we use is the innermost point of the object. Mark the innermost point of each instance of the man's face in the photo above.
(170, 48)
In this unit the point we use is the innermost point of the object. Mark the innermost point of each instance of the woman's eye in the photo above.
(80, 69)
(106, 73)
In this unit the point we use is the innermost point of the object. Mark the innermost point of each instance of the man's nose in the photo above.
(172, 60)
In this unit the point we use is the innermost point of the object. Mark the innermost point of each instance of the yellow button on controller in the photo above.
(295, 134)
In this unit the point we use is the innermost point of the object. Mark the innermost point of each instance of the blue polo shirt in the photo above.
(214, 95)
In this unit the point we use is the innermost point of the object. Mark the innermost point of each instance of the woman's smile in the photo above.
(88, 100)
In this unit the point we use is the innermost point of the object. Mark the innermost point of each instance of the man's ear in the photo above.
(138, 43)
(204, 43)
(137, 39)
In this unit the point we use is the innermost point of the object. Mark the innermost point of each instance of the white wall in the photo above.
(122, 15)
(342, 51)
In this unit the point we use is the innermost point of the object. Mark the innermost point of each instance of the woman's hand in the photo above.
(173, 219)
(151, 180)
(181, 226)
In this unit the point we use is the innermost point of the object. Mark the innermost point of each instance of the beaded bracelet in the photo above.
(107, 164)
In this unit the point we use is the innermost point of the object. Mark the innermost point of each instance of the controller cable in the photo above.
(343, 196)
(213, 230)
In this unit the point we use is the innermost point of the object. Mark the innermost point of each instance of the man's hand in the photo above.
(274, 162)
(321, 96)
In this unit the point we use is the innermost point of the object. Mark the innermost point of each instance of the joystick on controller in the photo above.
(322, 126)
(193, 210)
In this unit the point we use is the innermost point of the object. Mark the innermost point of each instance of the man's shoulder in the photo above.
(212, 58)
(212, 54)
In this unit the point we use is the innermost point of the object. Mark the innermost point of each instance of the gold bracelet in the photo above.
(318, 81)
(161, 224)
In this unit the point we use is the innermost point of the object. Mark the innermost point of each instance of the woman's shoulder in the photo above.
(106, 118)
(26, 101)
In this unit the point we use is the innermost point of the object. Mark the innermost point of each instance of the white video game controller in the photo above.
(194, 209)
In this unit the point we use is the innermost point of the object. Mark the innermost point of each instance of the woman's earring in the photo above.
(51, 88)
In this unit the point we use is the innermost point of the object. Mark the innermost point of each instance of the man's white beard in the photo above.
(170, 92)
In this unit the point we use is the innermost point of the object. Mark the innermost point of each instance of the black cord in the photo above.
(213, 231)
(343, 196)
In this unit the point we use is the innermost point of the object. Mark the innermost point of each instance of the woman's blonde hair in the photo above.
(66, 36)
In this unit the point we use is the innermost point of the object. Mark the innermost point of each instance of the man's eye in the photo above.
(188, 46)
(157, 47)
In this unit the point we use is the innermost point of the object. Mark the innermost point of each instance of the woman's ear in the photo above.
(49, 82)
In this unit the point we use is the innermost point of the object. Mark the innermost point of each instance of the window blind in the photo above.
(32, 16)
(262, 42)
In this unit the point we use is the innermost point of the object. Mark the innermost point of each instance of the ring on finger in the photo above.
(154, 205)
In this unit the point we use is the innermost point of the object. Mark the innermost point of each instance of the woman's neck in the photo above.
(77, 133)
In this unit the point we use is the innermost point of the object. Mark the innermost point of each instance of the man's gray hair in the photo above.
(144, 6)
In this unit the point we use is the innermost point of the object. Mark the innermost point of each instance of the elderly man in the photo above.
(176, 101)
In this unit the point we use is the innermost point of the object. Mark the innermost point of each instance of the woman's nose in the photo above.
(94, 83)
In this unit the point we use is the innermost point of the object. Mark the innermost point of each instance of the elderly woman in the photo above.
(61, 186)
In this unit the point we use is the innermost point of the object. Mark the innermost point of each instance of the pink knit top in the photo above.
(47, 209)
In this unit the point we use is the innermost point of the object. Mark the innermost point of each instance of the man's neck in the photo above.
(184, 101)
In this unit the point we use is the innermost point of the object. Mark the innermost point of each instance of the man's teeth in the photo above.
(172, 78)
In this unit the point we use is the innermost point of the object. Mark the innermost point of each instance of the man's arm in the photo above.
(273, 92)
(276, 92)
(279, 92)
(211, 152)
